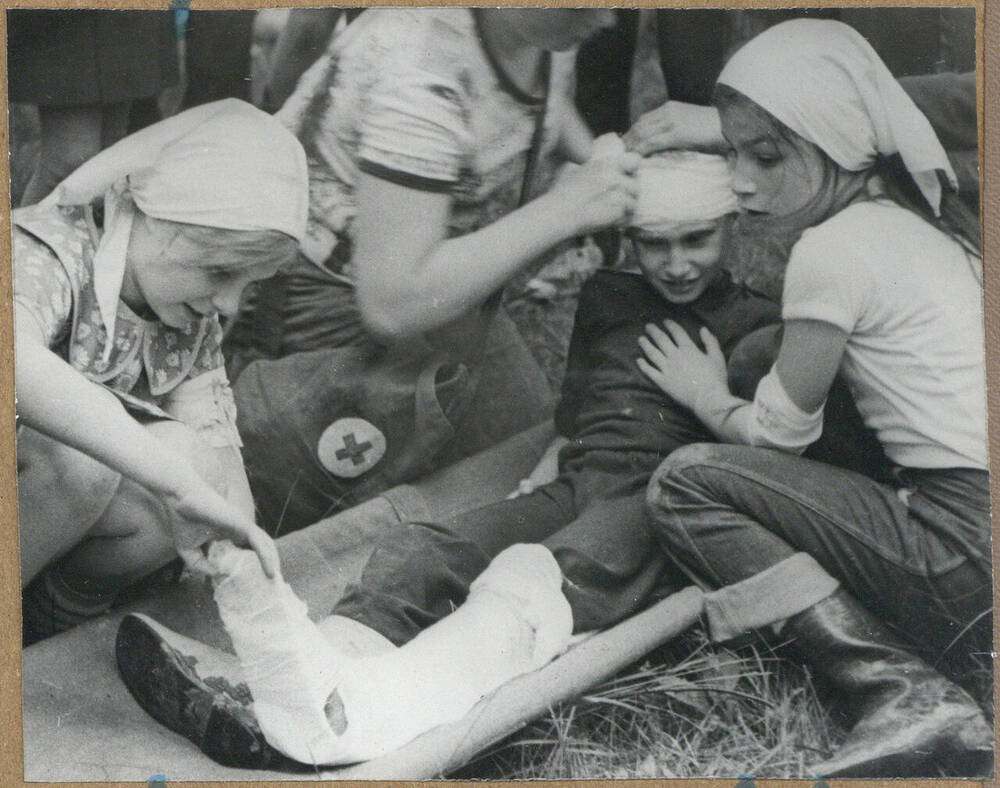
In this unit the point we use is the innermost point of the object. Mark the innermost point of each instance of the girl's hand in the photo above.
(675, 364)
(200, 514)
(676, 125)
(598, 194)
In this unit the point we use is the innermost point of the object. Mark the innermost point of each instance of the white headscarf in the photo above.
(225, 164)
(824, 81)
(680, 187)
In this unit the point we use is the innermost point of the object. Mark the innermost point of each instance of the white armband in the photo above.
(778, 423)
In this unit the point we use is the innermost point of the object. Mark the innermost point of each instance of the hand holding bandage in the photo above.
(676, 365)
(602, 192)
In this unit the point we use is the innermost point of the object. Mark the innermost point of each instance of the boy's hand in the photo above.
(201, 515)
(676, 125)
(598, 194)
(675, 364)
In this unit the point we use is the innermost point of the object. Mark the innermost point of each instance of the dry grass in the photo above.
(689, 710)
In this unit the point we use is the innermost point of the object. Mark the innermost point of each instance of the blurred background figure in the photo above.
(684, 50)
(83, 70)
(298, 44)
(217, 56)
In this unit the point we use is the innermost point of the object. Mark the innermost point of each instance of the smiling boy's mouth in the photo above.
(681, 284)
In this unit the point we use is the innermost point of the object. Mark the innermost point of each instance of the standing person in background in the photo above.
(83, 69)
(302, 41)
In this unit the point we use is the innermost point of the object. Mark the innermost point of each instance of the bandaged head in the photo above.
(826, 83)
(681, 187)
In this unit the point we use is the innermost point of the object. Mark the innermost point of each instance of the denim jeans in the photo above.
(916, 552)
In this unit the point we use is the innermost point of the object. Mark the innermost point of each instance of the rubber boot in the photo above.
(909, 720)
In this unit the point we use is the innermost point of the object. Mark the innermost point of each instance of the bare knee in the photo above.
(45, 464)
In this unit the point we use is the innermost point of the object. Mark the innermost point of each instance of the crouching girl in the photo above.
(127, 449)
(883, 290)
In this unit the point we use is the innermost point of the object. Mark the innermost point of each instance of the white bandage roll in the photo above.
(515, 620)
(777, 422)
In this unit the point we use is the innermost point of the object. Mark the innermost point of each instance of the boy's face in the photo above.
(683, 262)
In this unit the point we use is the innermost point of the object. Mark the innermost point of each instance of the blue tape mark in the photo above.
(182, 12)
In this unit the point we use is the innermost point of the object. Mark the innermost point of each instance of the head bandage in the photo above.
(681, 187)
(824, 81)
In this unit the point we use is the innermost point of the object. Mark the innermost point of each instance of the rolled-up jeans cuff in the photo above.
(769, 597)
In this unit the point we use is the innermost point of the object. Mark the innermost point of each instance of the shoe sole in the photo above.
(167, 688)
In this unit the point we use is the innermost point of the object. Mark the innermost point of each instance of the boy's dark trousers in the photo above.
(609, 561)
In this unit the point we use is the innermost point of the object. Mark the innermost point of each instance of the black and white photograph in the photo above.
(503, 393)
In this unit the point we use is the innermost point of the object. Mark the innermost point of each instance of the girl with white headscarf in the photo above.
(829, 152)
(127, 446)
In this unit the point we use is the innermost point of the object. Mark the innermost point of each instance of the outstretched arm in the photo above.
(58, 401)
(411, 278)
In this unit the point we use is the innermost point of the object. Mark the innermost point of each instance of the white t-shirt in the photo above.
(911, 301)
(411, 95)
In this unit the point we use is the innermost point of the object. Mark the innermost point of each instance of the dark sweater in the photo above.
(618, 421)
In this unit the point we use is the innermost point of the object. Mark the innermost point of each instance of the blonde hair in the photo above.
(250, 247)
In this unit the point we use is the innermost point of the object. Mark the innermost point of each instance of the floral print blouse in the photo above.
(157, 371)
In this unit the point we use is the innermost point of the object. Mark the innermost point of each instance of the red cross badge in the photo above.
(349, 447)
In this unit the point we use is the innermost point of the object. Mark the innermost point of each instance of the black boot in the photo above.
(909, 720)
(195, 691)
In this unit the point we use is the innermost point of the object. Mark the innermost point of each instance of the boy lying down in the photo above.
(458, 608)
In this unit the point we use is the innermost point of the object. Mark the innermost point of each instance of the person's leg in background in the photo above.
(778, 534)
(692, 44)
(217, 50)
(70, 136)
(603, 69)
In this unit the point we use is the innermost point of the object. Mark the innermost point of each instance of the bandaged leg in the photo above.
(318, 704)
(289, 666)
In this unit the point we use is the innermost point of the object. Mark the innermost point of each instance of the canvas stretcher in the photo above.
(91, 728)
